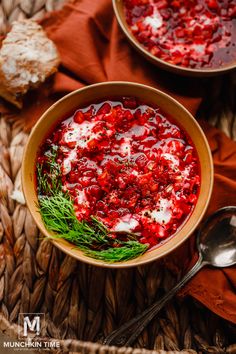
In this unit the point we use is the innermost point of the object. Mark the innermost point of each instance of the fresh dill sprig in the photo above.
(128, 250)
(58, 215)
(57, 211)
(49, 174)
(93, 239)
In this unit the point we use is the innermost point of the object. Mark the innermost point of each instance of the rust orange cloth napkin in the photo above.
(215, 288)
(93, 49)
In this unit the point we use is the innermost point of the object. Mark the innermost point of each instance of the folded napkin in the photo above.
(93, 49)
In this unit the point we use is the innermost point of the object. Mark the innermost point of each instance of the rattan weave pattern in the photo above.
(11, 10)
(82, 303)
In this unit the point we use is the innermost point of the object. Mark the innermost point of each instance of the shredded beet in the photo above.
(129, 165)
(194, 34)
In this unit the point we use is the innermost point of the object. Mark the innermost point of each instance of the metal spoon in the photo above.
(216, 243)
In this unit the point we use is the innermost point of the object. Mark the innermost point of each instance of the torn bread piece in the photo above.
(27, 58)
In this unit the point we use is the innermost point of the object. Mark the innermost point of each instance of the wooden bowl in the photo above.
(101, 91)
(118, 6)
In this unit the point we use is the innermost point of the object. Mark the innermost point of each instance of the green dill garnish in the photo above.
(57, 211)
(128, 250)
(49, 182)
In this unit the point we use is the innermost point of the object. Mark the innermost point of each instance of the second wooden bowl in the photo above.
(118, 6)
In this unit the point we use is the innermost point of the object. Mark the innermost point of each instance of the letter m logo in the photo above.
(31, 323)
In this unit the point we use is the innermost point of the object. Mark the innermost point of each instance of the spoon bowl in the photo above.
(217, 238)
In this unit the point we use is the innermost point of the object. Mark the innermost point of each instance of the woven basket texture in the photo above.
(83, 304)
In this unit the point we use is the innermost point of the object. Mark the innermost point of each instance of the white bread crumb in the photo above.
(18, 196)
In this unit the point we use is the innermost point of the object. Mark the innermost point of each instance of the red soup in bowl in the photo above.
(197, 34)
(122, 168)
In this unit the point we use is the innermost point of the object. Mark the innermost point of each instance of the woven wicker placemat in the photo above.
(81, 303)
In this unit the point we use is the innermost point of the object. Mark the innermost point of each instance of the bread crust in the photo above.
(27, 58)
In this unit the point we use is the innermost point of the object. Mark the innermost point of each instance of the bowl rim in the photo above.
(67, 247)
(162, 63)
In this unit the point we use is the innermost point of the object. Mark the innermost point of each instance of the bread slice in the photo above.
(27, 58)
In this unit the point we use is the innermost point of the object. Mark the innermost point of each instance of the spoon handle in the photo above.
(127, 333)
